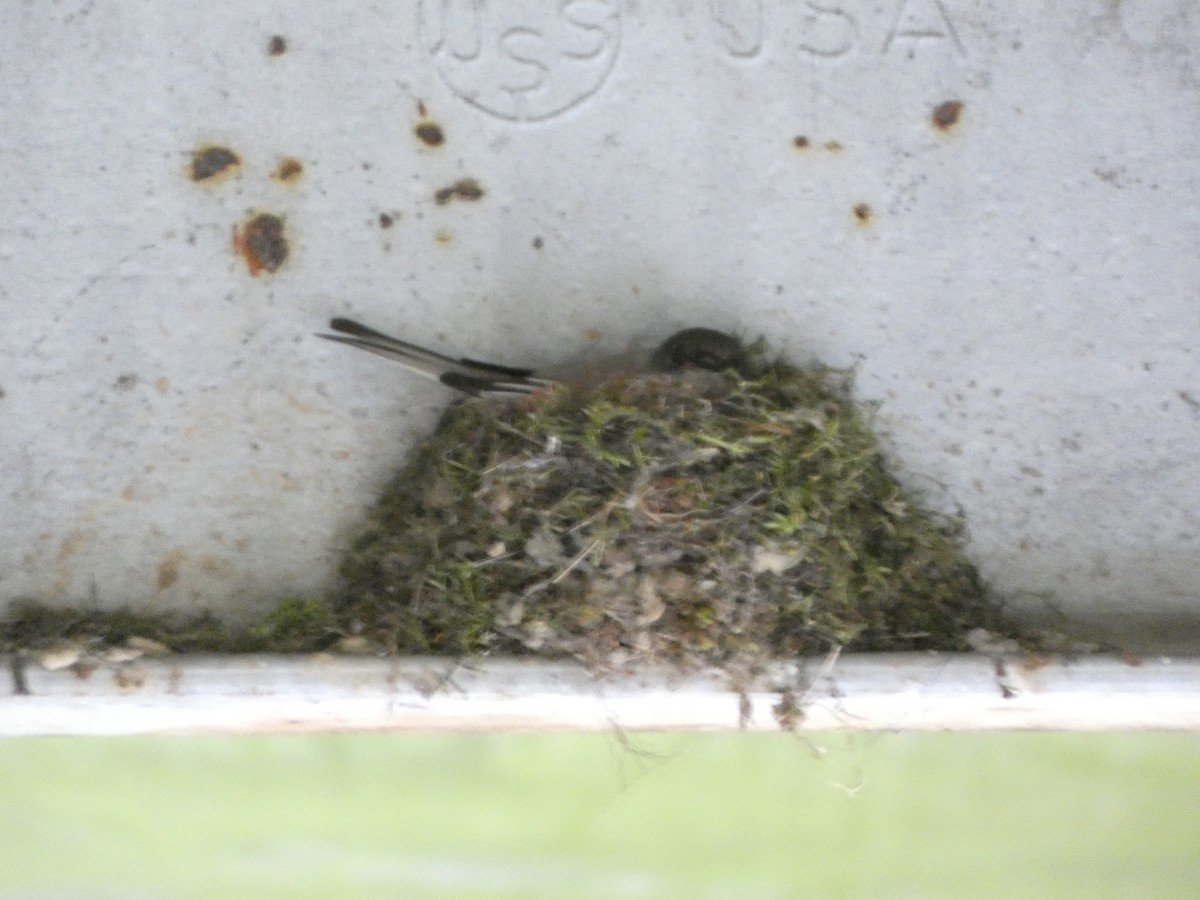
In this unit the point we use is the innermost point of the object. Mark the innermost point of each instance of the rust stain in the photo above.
(946, 115)
(277, 46)
(443, 236)
(386, 220)
(168, 574)
(464, 189)
(863, 214)
(210, 161)
(72, 544)
(428, 131)
(168, 570)
(262, 243)
(803, 143)
(217, 566)
(129, 679)
(300, 406)
(162, 384)
(289, 171)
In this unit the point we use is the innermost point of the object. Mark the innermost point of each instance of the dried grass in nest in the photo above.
(700, 519)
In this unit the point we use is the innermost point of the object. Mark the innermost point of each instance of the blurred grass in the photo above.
(658, 816)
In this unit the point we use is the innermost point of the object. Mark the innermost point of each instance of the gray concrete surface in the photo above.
(1019, 288)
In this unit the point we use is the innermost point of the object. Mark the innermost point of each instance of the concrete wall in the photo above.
(990, 207)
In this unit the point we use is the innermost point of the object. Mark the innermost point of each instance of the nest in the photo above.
(697, 519)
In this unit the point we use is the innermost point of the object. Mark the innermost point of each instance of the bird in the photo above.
(691, 348)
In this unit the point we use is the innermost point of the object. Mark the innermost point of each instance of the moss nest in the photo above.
(698, 519)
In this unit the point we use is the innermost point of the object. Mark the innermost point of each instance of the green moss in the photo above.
(295, 625)
(31, 625)
(700, 519)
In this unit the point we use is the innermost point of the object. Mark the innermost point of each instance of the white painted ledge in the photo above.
(919, 692)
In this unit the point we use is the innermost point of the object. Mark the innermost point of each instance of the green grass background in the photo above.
(561, 816)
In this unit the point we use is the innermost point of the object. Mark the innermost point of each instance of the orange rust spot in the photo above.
(429, 133)
(277, 46)
(289, 170)
(129, 679)
(834, 146)
(946, 115)
(443, 236)
(210, 161)
(464, 189)
(262, 243)
(72, 544)
(168, 571)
